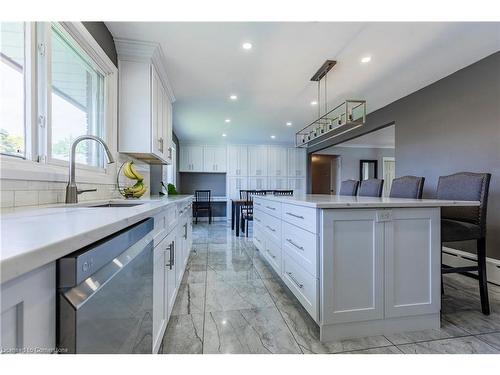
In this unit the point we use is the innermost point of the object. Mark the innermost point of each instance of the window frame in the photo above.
(37, 165)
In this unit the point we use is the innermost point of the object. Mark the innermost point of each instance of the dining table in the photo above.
(236, 205)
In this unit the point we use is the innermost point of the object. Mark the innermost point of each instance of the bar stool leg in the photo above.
(483, 281)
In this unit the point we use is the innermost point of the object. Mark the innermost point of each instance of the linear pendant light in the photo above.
(344, 117)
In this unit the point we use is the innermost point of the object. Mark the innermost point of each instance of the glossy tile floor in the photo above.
(231, 302)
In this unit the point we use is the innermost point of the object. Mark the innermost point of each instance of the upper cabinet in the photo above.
(257, 160)
(191, 158)
(277, 161)
(214, 159)
(145, 102)
(237, 160)
(297, 162)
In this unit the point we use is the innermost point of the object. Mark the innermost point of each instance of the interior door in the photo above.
(389, 167)
(321, 174)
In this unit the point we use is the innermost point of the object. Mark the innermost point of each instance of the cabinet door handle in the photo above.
(272, 256)
(185, 231)
(271, 208)
(297, 216)
(257, 220)
(160, 144)
(171, 249)
(295, 280)
(294, 244)
(271, 229)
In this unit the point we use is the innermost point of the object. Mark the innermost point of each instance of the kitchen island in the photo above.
(360, 266)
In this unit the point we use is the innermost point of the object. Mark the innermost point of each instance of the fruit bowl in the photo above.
(134, 191)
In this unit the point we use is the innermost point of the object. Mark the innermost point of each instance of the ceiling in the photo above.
(206, 63)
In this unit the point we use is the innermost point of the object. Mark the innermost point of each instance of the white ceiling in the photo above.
(383, 138)
(205, 64)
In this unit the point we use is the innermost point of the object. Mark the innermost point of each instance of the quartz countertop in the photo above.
(341, 201)
(33, 237)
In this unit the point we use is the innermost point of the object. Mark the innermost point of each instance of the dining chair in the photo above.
(371, 188)
(203, 202)
(407, 187)
(283, 192)
(349, 187)
(247, 212)
(466, 223)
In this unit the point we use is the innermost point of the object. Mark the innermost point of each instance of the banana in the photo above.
(127, 172)
(136, 174)
(134, 189)
(139, 193)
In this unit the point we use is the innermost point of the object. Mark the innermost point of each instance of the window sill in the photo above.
(19, 169)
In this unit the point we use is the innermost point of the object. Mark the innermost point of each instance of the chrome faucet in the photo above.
(71, 189)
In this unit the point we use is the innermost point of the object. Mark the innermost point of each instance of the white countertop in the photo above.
(32, 237)
(342, 201)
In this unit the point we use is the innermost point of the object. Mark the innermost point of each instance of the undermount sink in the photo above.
(116, 204)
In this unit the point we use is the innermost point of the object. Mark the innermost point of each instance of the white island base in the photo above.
(359, 266)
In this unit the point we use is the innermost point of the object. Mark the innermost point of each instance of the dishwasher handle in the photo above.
(171, 249)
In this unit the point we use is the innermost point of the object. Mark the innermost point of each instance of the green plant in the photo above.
(171, 189)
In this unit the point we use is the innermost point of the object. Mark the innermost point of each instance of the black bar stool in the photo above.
(407, 187)
(371, 188)
(466, 223)
(349, 187)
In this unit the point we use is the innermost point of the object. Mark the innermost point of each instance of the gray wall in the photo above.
(450, 126)
(350, 157)
(203, 181)
(102, 35)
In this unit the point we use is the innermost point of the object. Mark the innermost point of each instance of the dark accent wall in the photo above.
(102, 36)
(203, 181)
(450, 126)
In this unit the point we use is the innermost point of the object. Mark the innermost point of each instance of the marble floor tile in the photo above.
(381, 350)
(236, 295)
(265, 270)
(462, 345)
(447, 330)
(248, 331)
(280, 294)
(190, 299)
(184, 335)
(214, 274)
(474, 322)
(194, 273)
(492, 339)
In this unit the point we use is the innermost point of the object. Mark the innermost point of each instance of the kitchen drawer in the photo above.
(303, 217)
(272, 227)
(273, 255)
(302, 246)
(302, 284)
(258, 237)
(270, 207)
(258, 216)
(164, 222)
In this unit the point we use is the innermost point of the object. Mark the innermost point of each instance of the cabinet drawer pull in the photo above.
(272, 256)
(297, 216)
(294, 244)
(271, 208)
(295, 280)
(271, 229)
(257, 220)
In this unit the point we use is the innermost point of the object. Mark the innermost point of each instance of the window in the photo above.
(170, 171)
(77, 101)
(12, 89)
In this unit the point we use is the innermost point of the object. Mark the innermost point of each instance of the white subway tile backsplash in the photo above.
(25, 198)
(47, 197)
(6, 199)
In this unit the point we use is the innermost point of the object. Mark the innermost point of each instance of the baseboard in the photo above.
(458, 258)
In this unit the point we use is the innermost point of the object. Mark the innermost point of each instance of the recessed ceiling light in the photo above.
(224, 134)
(247, 45)
(233, 97)
(273, 136)
(288, 123)
(314, 102)
(227, 121)
(366, 59)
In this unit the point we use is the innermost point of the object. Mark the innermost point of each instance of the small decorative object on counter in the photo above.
(171, 189)
(138, 189)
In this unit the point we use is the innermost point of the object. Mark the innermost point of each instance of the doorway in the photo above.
(324, 173)
(389, 172)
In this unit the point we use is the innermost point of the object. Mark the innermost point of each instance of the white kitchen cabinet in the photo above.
(257, 183)
(214, 159)
(277, 183)
(298, 185)
(28, 311)
(297, 162)
(277, 161)
(234, 185)
(237, 160)
(257, 160)
(412, 259)
(145, 103)
(191, 158)
(160, 304)
(356, 261)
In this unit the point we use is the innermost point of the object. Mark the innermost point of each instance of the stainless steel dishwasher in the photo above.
(105, 294)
